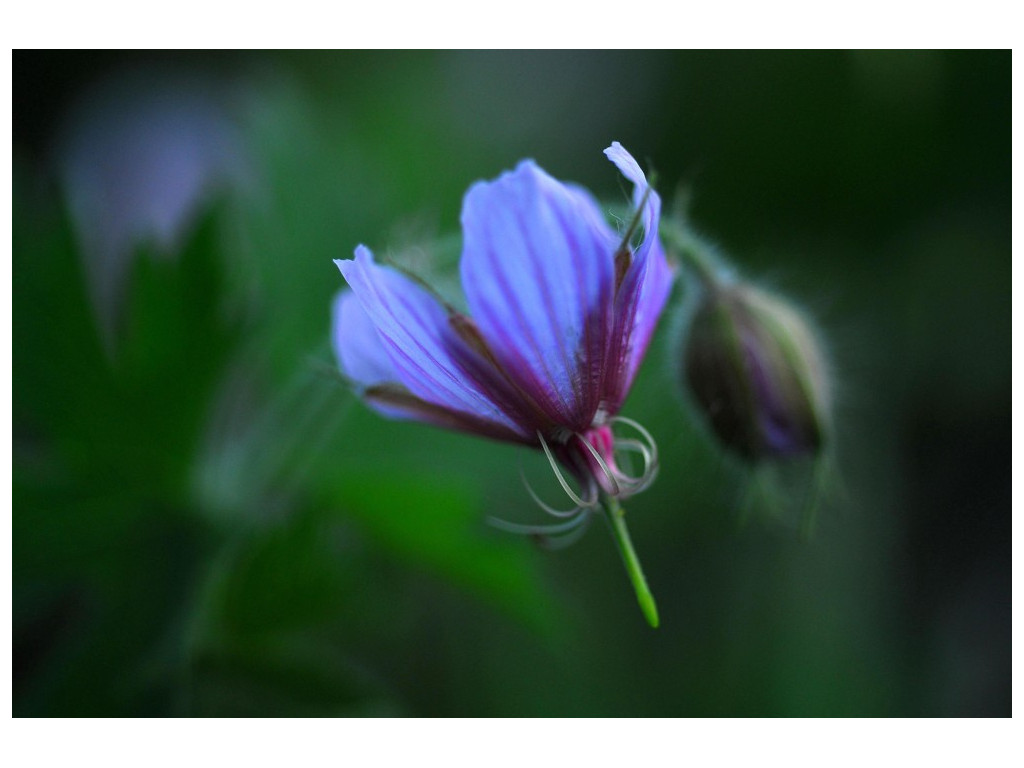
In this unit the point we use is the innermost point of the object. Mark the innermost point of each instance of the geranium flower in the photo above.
(561, 308)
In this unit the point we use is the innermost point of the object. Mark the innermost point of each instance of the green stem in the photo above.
(617, 521)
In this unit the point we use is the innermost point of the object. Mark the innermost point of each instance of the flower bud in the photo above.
(756, 373)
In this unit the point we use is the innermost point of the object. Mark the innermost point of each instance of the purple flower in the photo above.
(561, 308)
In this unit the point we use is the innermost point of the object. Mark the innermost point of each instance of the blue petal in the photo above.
(361, 355)
(357, 345)
(426, 356)
(537, 270)
(638, 307)
(641, 296)
(629, 168)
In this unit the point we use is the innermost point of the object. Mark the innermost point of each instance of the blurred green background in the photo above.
(207, 523)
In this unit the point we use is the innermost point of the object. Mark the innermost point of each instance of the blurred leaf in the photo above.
(108, 548)
(301, 675)
(438, 526)
(61, 369)
(130, 419)
(292, 574)
(177, 342)
(314, 198)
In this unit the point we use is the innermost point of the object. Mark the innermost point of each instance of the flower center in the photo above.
(594, 458)
(597, 454)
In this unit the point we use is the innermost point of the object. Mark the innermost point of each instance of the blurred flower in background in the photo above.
(140, 155)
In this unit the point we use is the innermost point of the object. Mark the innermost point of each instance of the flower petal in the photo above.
(397, 402)
(357, 345)
(537, 270)
(629, 168)
(361, 355)
(644, 289)
(428, 358)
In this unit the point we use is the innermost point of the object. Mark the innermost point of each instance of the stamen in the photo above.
(646, 481)
(601, 463)
(540, 530)
(549, 509)
(566, 539)
(630, 445)
(648, 450)
(651, 442)
(561, 479)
